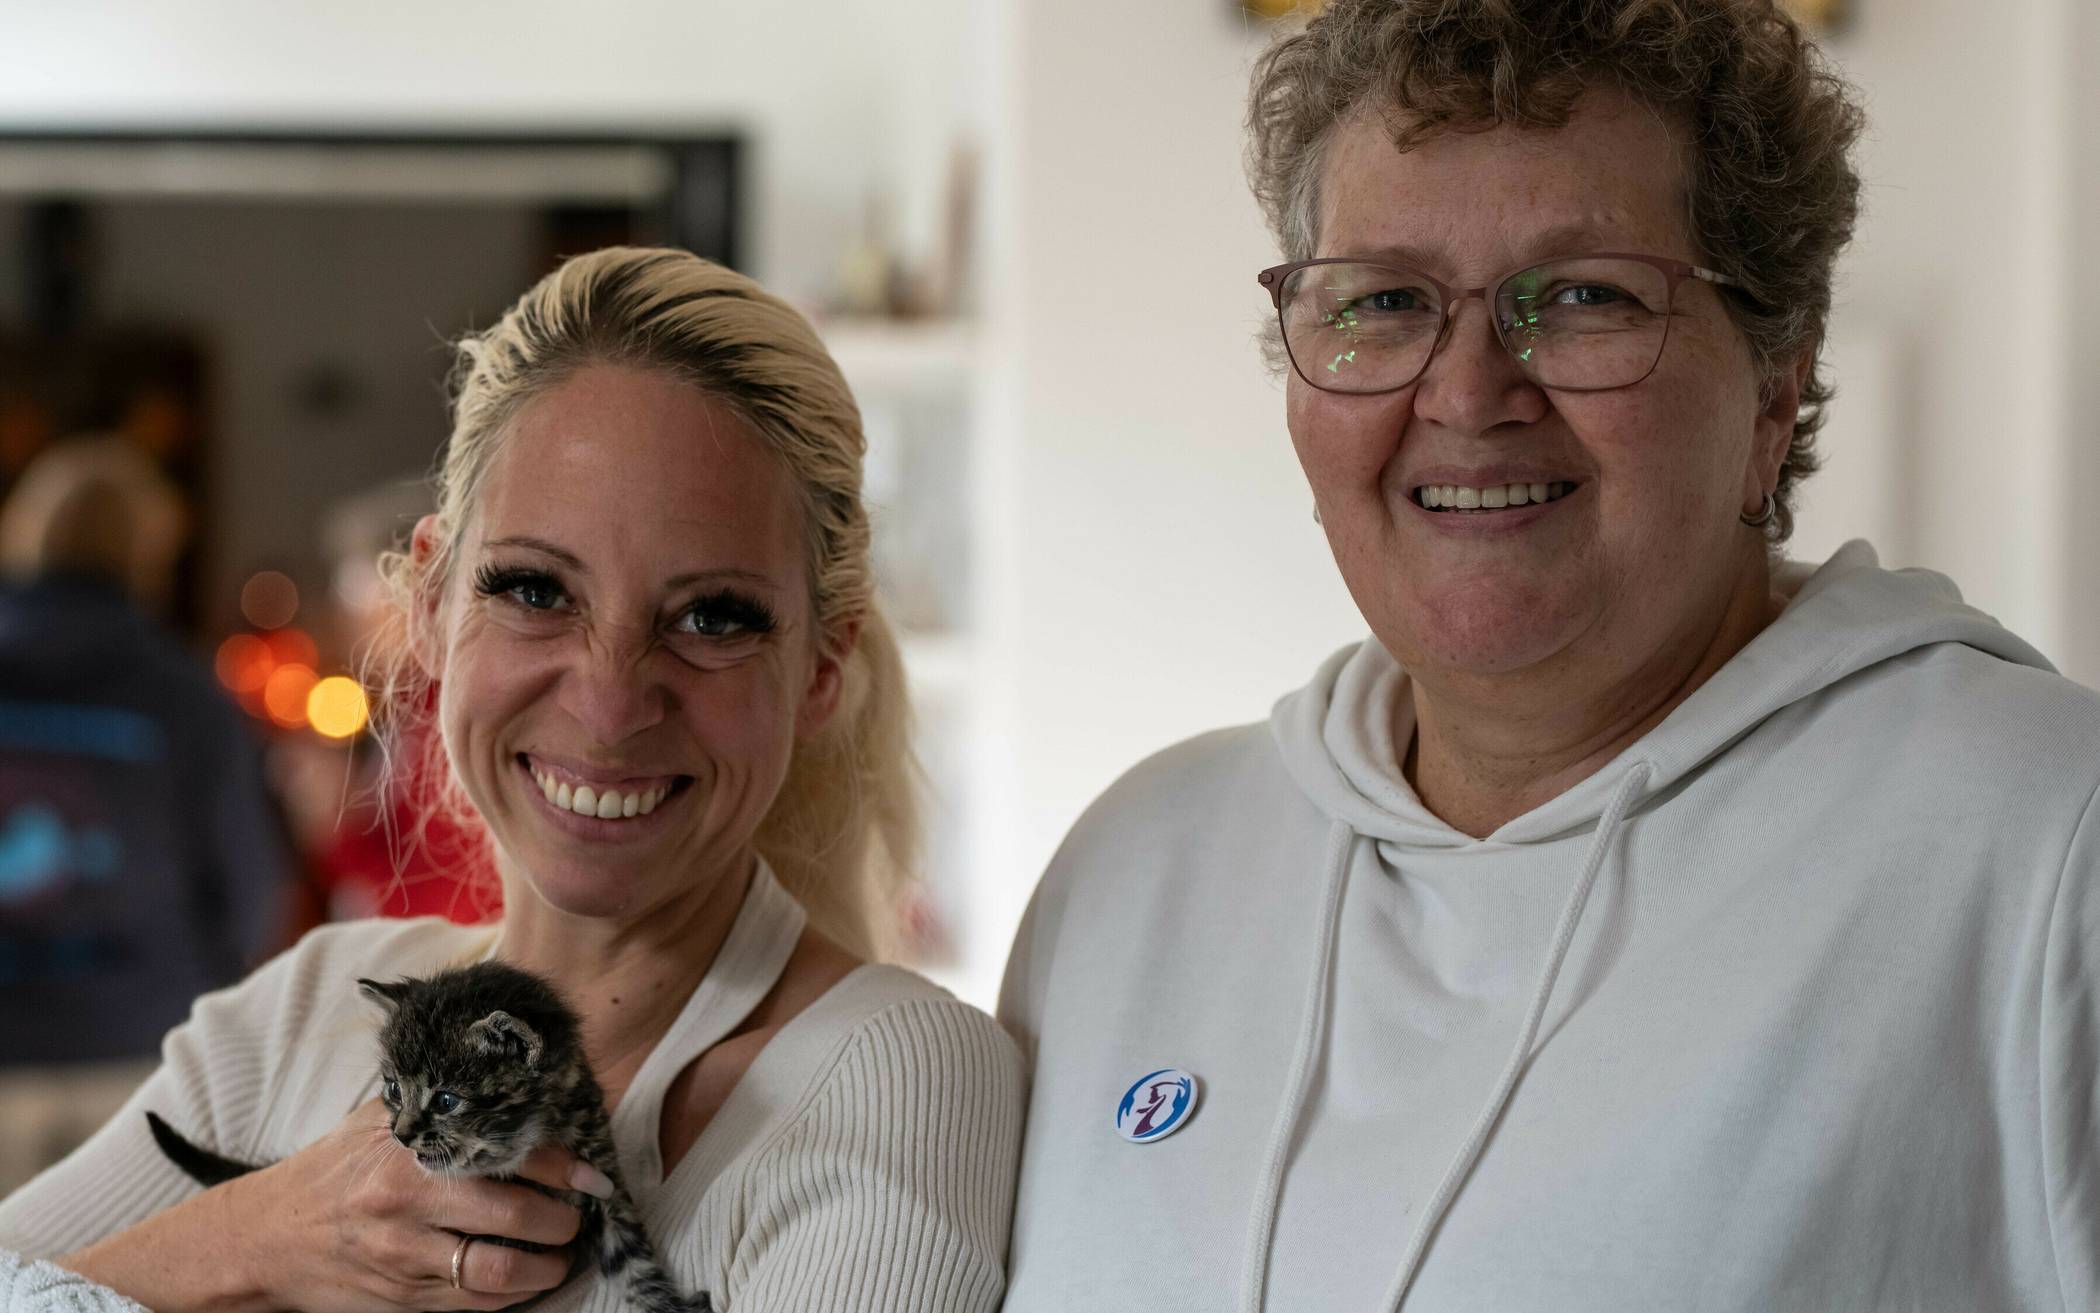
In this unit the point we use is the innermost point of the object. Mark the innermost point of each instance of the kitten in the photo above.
(479, 1065)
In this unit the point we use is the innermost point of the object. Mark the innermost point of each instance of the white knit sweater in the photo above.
(865, 1161)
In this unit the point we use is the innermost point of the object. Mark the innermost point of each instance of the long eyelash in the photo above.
(494, 580)
(755, 616)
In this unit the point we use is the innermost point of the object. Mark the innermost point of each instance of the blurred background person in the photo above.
(377, 841)
(142, 860)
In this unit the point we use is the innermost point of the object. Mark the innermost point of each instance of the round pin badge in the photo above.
(1157, 1105)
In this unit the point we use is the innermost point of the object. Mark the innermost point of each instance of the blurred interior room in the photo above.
(238, 235)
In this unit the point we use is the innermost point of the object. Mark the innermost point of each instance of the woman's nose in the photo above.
(610, 692)
(1472, 383)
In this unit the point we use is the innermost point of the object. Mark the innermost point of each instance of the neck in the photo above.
(1486, 751)
(628, 982)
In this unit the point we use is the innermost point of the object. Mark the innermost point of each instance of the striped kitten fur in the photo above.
(480, 1065)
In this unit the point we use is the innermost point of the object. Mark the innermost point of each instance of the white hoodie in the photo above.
(1816, 968)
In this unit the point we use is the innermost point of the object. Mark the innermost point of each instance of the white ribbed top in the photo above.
(865, 1161)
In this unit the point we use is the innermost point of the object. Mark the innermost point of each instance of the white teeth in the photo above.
(606, 805)
(1449, 496)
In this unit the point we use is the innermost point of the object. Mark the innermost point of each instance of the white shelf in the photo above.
(886, 355)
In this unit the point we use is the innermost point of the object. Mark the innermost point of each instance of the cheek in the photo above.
(1344, 443)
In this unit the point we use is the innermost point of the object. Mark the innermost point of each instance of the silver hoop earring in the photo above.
(1764, 514)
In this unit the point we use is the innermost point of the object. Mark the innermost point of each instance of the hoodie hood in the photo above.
(1338, 734)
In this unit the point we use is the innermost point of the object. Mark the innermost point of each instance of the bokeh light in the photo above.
(269, 600)
(292, 647)
(244, 663)
(284, 696)
(335, 707)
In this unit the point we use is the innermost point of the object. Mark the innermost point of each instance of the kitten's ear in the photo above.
(387, 994)
(499, 1034)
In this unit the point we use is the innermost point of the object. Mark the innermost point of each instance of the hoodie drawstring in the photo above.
(1520, 1054)
(1311, 1027)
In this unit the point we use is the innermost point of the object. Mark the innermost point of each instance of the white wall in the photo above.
(1955, 297)
(1166, 576)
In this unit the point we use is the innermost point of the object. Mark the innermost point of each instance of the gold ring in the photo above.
(459, 1260)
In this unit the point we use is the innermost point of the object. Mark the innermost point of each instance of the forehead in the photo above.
(619, 461)
(1476, 203)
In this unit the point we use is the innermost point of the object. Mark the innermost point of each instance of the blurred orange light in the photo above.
(243, 663)
(292, 647)
(284, 697)
(336, 707)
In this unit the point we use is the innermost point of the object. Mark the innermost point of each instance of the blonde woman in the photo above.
(661, 684)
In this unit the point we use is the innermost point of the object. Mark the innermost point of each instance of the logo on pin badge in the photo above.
(1157, 1105)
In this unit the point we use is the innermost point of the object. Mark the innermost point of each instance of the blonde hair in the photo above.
(844, 831)
(95, 506)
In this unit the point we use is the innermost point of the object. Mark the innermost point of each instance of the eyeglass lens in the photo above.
(1584, 323)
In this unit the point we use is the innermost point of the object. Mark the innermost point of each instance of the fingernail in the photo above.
(590, 1180)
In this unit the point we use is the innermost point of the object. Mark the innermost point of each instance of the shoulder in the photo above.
(893, 1174)
(1175, 862)
(888, 1032)
(1199, 790)
(1196, 821)
(1948, 716)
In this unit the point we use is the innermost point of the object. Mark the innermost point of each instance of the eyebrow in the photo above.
(724, 574)
(1561, 239)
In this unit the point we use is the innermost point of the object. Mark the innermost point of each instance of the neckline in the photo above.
(752, 959)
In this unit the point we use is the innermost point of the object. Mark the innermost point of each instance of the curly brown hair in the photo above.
(1773, 194)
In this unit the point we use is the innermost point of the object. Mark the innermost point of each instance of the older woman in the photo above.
(645, 604)
(1635, 920)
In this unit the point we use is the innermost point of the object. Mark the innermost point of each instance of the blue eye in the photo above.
(534, 590)
(727, 614)
(391, 1090)
(445, 1101)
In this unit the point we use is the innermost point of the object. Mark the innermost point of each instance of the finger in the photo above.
(510, 1210)
(557, 1168)
(487, 1268)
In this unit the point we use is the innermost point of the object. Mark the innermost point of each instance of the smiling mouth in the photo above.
(1458, 499)
(604, 802)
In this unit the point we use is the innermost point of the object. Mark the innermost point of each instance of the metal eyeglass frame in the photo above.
(1677, 271)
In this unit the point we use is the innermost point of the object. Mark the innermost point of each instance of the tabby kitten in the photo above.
(479, 1065)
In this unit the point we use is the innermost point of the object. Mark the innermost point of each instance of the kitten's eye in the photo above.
(445, 1101)
(390, 1091)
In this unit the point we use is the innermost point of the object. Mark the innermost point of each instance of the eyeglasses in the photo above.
(1585, 323)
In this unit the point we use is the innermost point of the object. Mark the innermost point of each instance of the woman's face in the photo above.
(1641, 559)
(629, 614)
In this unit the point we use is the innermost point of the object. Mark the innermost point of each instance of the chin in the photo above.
(585, 889)
(1485, 631)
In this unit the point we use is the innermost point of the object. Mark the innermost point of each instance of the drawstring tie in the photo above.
(1519, 1053)
(1312, 1028)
